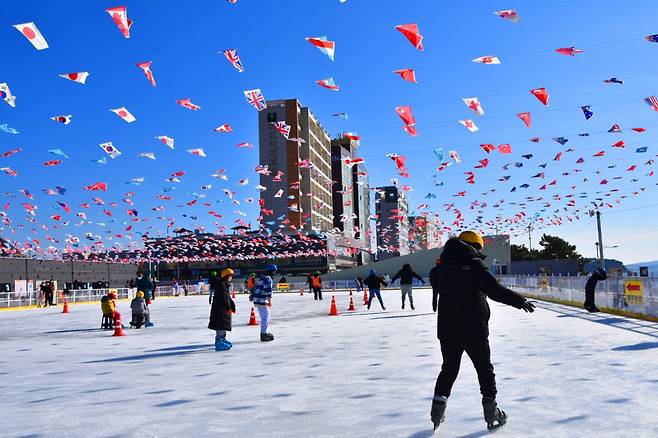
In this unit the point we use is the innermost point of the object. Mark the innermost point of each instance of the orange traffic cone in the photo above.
(365, 297)
(334, 309)
(252, 317)
(118, 328)
(233, 294)
(301, 291)
(351, 308)
(66, 307)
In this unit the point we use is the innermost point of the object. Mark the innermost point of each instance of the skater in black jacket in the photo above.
(464, 283)
(590, 287)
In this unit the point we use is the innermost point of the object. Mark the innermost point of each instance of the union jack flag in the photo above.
(282, 128)
(652, 102)
(232, 56)
(255, 99)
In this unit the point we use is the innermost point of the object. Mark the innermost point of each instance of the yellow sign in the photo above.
(282, 286)
(634, 291)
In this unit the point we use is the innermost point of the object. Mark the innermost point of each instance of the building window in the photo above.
(271, 117)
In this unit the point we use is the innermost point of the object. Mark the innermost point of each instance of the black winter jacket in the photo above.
(590, 286)
(374, 282)
(464, 283)
(222, 305)
(406, 276)
(434, 278)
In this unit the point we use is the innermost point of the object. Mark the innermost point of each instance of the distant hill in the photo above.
(652, 265)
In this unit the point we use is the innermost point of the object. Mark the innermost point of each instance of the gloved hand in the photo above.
(528, 307)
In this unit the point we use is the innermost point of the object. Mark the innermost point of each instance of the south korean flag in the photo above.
(110, 149)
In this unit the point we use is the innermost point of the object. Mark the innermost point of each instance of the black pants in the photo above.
(138, 320)
(589, 295)
(480, 354)
(317, 293)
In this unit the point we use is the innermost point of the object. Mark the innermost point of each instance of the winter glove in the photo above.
(528, 307)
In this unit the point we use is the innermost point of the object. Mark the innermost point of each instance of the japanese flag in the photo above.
(79, 77)
(166, 140)
(62, 119)
(199, 152)
(6, 95)
(30, 31)
(124, 114)
(110, 149)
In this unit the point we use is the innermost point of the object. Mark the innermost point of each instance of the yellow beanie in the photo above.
(139, 294)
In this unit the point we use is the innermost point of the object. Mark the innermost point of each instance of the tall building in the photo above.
(296, 151)
(351, 198)
(423, 233)
(392, 209)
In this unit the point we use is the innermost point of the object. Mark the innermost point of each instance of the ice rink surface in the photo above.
(560, 373)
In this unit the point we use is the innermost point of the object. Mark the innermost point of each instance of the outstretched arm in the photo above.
(487, 283)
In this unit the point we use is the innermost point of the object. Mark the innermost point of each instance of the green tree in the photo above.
(556, 248)
(521, 253)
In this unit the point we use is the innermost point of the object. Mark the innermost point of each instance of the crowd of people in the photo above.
(461, 284)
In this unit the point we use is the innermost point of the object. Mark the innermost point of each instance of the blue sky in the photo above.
(183, 39)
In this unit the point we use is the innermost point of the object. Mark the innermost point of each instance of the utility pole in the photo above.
(530, 237)
(600, 254)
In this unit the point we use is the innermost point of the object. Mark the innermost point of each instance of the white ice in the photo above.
(560, 373)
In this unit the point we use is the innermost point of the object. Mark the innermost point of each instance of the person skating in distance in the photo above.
(406, 276)
(464, 283)
(590, 287)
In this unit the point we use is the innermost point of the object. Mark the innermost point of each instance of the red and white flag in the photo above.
(526, 118)
(541, 94)
(199, 152)
(62, 119)
(79, 77)
(245, 145)
(412, 33)
(505, 149)
(355, 160)
(166, 140)
(30, 31)
(406, 115)
(187, 103)
(407, 74)
(146, 68)
(509, 14)
(120, 17)
(124, 114)
(224, 128)
(487, 60)
(109, 148)
(351, 136)
(474, 104)
(9, 171)
(469, 124)
(96, 187)
(487, 147)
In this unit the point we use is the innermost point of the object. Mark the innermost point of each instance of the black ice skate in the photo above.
(438, 411)
(494, 417)
(266, 337)
(591, 308)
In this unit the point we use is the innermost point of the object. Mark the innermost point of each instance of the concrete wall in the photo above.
(12, 269)
(497, 247)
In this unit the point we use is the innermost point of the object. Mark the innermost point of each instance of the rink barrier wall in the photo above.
(610, 296)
